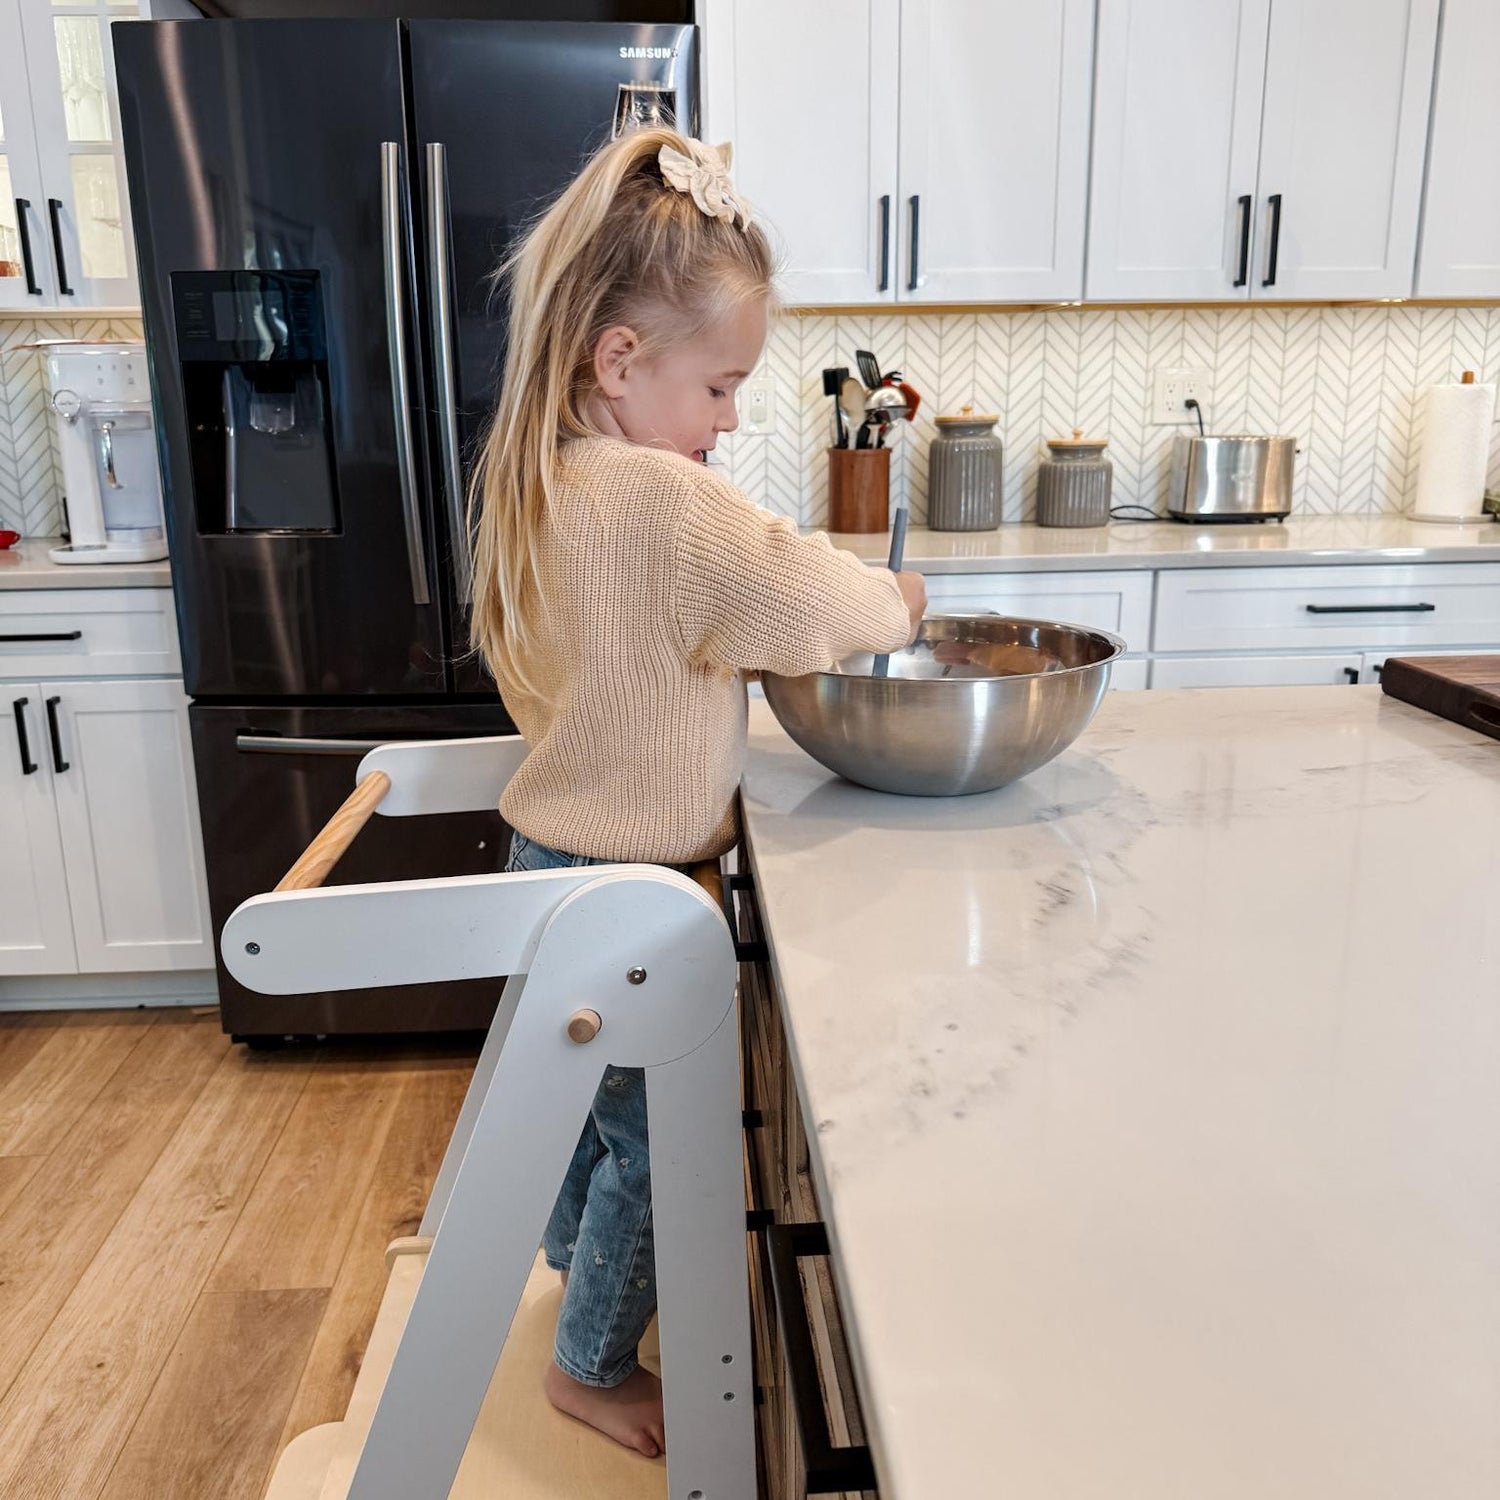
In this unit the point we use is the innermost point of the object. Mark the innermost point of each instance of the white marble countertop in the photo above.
(1171, 544)
(27, 566)
(1155, 1101)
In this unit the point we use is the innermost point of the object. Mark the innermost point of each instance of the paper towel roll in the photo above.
(1455, 453)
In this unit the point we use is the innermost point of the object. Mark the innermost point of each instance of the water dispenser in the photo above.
(101, 396)
(255, 379)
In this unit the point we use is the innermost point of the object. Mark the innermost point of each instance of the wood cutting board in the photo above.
(1465, 689)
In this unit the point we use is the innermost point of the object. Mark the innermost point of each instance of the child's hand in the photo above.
(914, 592)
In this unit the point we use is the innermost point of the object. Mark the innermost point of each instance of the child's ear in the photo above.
(613, 354)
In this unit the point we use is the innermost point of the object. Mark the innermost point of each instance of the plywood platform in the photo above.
(521, 1447)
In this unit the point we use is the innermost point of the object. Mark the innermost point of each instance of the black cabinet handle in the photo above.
(829, 1469)
(885, 242)
(1275, 201)
(58, 763)
(28, 766)
(752, 950)
(54, 211)
(52, 635)
(1245, 208)
(1352, 673)
(1371, 609)
(23, 211)
(915, 259)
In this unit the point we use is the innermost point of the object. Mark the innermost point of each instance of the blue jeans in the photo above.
(600, 1231)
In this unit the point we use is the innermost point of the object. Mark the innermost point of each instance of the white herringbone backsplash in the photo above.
(30, 469)
(1343, 381)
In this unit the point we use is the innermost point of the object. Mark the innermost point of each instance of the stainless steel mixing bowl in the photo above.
(977, 702)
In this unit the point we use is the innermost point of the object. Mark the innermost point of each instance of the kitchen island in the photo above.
(1153, 1103)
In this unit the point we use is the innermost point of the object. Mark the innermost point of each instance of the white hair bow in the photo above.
(705, 174)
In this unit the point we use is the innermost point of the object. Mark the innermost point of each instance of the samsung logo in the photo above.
(629, 52)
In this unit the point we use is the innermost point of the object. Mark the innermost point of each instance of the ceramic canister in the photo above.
(1073, 482)
(964, 473)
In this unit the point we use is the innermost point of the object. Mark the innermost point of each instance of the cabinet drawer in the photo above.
(1237, 609)
(88, 633)
(1256, 671)
(1117, 602)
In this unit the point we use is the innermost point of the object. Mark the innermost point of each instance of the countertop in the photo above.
(1155, 1100)
(27, 566)
(1171, 544)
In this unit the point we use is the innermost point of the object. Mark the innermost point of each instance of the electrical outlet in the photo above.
(758, 407)
(1171, 387)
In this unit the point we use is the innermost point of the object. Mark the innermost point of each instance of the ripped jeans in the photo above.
(600, 1231)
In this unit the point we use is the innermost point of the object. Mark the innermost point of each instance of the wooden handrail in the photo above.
(316, 862)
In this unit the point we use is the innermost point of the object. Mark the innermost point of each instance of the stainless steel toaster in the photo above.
(1239, 477)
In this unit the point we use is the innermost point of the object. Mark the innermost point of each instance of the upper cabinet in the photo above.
(910, 150)
(1261, 149)
(65, 239)
(1460, 252)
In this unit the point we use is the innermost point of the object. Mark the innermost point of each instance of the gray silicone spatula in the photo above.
(882, 667)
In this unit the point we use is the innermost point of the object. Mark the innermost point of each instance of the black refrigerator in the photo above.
(319, 209)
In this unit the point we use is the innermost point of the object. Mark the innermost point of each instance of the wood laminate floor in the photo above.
(192, 1242)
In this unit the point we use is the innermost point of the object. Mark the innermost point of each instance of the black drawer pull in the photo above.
(23, 213)
(55, 635)
(1275, 203)
(58, 763)
(28, 766)
(752, 950)
(829, 1469)
(1351, 674)
(885, 243)
(54, 210)
(1371, 609)
(1244, 275)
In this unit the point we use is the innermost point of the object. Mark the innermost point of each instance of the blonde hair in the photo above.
(619, 247)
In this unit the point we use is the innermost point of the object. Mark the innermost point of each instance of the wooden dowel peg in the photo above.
(583, 1025)
(316, 862)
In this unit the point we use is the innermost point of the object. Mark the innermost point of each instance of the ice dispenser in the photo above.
(255, 378)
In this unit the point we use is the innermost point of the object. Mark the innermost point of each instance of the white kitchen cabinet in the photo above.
(1255, 671)
(128, 811)
(1118, 602)
(807, 95)
(101, 852)
(1326, 608)
(59, 116)
(36, 928)
(1270, 149)
(910, 150)
(1460, 246)
(1177, 95)
(1348, 90)
(994, 149)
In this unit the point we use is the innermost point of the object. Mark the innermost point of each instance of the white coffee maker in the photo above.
(101, 395)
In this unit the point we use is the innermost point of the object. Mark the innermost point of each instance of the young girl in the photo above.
(622, 590)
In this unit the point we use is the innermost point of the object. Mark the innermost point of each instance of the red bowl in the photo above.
(9, 539)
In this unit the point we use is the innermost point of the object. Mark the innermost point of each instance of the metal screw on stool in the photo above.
(637, 976)
(583, 1025)
(252, 948)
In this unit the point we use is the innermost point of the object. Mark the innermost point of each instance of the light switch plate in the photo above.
(758, 407)
(1171, 386)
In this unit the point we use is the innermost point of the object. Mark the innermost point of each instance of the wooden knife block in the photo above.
(859, 489)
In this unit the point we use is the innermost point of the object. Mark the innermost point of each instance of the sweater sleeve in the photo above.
(753, 595)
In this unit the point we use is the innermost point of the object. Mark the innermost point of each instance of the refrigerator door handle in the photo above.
(392, 219)
(288, 744)
(439, 285)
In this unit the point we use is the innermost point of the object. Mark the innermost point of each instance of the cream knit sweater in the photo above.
(661, 584)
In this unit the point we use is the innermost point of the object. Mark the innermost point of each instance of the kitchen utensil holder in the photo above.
(859, 489)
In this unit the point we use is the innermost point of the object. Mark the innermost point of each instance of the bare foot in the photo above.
(630, 1413)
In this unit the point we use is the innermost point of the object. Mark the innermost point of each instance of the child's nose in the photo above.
(729, 420)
